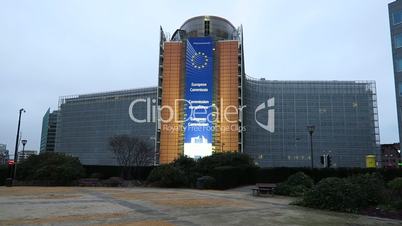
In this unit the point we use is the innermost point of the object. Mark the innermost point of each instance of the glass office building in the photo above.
(277, 114)
(48, 135)
(4, 154)
(87, 122)
(203, 64)
(395, 20)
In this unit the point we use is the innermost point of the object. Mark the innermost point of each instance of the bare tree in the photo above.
(131, 153)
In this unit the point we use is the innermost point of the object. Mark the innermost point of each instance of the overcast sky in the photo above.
(56, 48)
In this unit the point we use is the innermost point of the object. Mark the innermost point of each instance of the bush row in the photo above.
(224, 170)
(227, 170)
(349, 194)
(233, 176)
(3, 174)
(277, 175)
(394, 194)
(296, 185)
(104, 172)
(220, 170)
(54, 168)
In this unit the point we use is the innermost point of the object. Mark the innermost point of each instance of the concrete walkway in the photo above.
(151, 206)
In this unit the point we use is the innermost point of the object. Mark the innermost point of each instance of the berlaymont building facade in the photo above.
(205, 102)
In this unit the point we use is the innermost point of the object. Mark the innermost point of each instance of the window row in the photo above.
(397, 17)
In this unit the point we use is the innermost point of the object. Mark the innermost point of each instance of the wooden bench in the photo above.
(262, 189)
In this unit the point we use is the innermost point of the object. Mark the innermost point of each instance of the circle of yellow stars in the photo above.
(203, 56)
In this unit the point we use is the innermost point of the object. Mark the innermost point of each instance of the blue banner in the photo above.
(199, 95)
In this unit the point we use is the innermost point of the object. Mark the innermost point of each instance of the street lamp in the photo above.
(16, 142)
(154, 139)
(24, 142)
(311, 129)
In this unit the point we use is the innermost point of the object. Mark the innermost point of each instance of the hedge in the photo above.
(228, 170)
(277, 175)
(349, 194)
(104, 172)
(226, 176)
(167, 176)
(3, 174)
(233, 176)
(51, 167)
(296, 185)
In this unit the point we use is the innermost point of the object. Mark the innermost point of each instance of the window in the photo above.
(206, 28)
(399, 65)
(400, 89)
(398, 40)
(397, 17)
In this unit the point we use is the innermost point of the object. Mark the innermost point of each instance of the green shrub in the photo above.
(226, 176)
(236, 159)
(249, 174)
(280, 174)
(167, 176)
(348, 194)
(188, 166)
(54, 167)
(395, 196)
(3, 174)
(300, 178)
(396, 185)
(228, 169)
(296, 185)
(138, 173)
(205, 182)
(233, 176)
(371, 187)
(185, 163)
(329, 194)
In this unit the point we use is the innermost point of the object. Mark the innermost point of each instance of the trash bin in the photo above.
(370, 161)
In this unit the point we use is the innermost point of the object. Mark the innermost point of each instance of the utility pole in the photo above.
(16, 144)
(311, 129)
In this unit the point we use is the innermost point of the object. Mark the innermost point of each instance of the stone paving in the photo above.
(160, 207)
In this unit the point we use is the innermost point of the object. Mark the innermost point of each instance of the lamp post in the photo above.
(154, 139)
(16, 142)
(24, 142)
(311, 129)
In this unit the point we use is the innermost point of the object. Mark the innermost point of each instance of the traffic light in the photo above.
(322, 159)
(329, 161)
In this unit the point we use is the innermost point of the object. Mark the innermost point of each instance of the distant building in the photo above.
(87, 122)
(48, 136)
(25, 154)
(391, 155)
(395, 20)
(4, 154)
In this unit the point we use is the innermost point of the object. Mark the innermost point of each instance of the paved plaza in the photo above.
(159, 207)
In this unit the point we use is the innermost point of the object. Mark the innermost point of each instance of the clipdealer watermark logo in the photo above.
(269, 107)
(171, 115)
